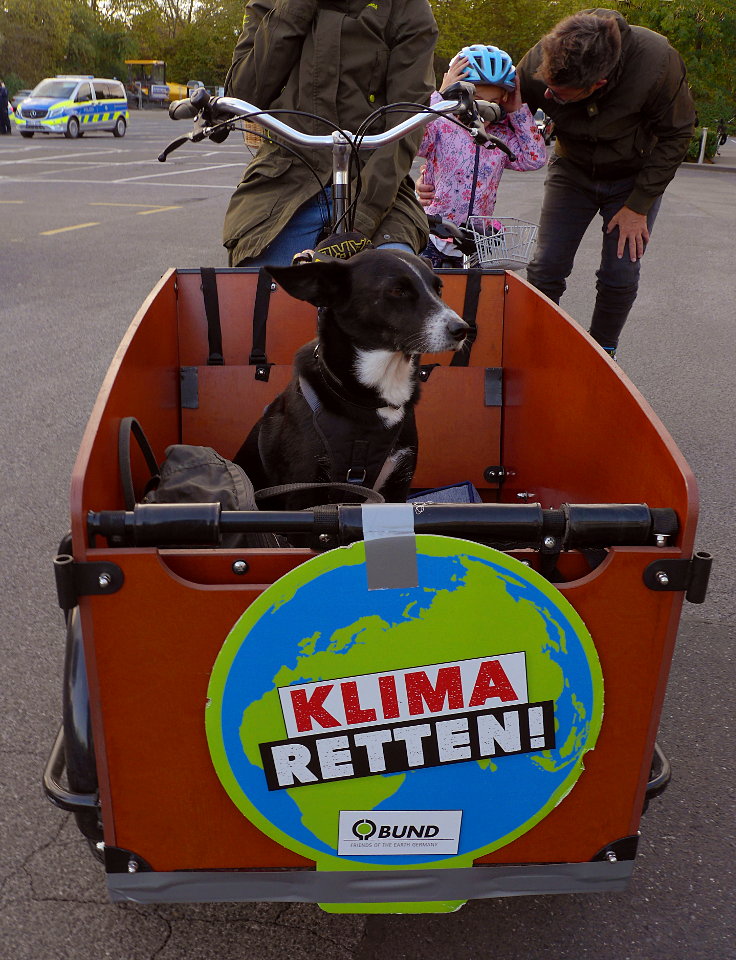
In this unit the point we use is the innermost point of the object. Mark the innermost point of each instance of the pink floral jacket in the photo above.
(450, 153)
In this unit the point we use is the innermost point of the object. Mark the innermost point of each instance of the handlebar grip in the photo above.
(189, 108)
(182, 110)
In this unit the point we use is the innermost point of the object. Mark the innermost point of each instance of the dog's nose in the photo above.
(457, 329)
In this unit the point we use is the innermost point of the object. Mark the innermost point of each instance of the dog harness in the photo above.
(362, 456)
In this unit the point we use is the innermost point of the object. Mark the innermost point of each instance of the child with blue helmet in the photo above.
(460, 178)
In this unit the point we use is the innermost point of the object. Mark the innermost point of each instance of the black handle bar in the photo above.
(189, 108)
(573, 526)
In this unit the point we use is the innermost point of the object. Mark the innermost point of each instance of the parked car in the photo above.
(18, 97)
(73, 105)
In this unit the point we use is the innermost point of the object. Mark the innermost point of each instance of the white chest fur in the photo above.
(390, 374)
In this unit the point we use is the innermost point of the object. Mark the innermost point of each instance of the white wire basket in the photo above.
(504, 243)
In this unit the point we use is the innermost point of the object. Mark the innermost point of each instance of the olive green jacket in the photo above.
(639, 124)
(338, 59)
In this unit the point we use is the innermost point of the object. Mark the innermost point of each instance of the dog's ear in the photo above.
(323, 283)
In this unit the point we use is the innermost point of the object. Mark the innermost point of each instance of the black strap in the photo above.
(128, 426)
(258, 356)
(470, 311)
(475, 183)
(354, 489)
(212, 311)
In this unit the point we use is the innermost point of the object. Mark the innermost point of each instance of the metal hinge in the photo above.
(689, 575)
(75, 580)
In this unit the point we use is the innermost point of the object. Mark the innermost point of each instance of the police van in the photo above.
(74, 105)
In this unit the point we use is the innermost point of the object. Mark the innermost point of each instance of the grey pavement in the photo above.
(67, 298)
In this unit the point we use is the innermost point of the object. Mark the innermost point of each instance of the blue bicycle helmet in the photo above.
(488, 64)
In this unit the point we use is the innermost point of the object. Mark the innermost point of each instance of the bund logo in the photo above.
(363, 829)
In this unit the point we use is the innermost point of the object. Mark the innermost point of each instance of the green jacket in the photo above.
(639, 124)
(338, 59)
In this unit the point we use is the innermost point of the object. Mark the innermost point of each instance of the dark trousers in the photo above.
(5, 121)
(571, 200)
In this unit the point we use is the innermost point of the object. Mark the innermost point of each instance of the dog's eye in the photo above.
(399, 292)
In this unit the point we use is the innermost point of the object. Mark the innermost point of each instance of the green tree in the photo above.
(513, 26)
(34, 36)
(204, 48)
(704, 33)
(98, 42)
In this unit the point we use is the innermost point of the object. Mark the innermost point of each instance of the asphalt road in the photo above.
(86, 229)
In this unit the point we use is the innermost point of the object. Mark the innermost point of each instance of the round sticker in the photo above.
(407, 726)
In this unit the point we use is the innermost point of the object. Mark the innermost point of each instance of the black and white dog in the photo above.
(348, 412)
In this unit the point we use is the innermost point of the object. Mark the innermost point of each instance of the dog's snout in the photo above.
(457, 329)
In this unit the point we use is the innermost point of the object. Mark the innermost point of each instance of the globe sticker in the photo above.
(403, 727)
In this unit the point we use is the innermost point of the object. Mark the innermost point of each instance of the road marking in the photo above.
(106, 183)
(77, 226)
(12, 201)
(176, 173)
(154, 207)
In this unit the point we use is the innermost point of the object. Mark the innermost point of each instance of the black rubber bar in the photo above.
(573, 526)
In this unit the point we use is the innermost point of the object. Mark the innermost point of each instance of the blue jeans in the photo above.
(302, 233)
(571, 200)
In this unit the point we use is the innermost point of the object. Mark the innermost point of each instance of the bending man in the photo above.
(624, 117)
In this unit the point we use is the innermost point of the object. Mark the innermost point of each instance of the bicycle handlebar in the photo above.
(216, 109)
(209, 111)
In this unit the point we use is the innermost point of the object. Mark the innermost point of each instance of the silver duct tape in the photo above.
(383, 886)
(390, 546)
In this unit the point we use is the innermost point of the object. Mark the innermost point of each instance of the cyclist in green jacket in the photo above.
(623, 116)
(338, 59)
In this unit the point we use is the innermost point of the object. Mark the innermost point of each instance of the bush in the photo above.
(711, 145)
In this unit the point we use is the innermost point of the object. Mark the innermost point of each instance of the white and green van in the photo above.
(74, 105)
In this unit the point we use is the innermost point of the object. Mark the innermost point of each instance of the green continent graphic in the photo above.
(468, 621)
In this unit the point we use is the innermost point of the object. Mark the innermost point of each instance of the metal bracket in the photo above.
(623, 849)
(263, 371)
(119, 860)
(189, 386)
(679, 574)
(75, 580)
(493, 386)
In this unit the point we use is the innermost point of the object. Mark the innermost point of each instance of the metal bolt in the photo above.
(104, 580)
(524, 495)
(661, 539)
(132, 866)
(324, 538)
(273, 286)
(611, 856)
(549, 542)
(661, 577)
(240, 567)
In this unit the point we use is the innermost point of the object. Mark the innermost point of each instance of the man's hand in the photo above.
(632, 230)
(425, 191)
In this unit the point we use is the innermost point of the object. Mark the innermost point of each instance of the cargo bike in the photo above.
(431, 702)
